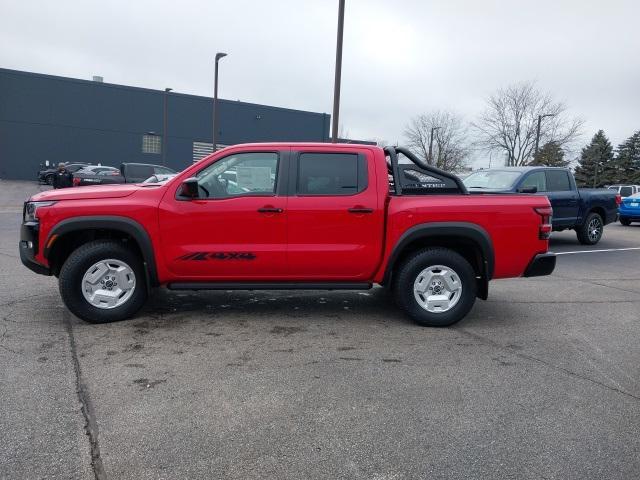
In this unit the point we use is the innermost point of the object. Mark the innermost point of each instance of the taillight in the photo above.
(618, 199)
(546, 214)
(76, 182)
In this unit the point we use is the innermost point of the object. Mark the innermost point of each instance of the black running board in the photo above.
(267, 286)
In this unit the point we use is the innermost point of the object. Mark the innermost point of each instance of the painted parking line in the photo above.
(598, 251)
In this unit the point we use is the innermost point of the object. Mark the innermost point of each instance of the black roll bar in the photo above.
(393, 155)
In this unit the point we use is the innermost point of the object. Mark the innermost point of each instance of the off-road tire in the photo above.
(77, 264)
(582, 231)
(406, 274)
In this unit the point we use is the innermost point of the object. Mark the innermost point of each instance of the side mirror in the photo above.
(533, 189)
(189, 188)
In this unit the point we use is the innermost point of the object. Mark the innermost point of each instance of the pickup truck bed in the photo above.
(318, 216)
(586, 211)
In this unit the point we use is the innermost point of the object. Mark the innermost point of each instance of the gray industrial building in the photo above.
(45, 117)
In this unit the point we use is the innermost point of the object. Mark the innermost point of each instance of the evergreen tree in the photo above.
(596, 166)
(551, 155)
(627, 164)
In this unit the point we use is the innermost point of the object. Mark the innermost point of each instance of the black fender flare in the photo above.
(109, 222)
(470, 232)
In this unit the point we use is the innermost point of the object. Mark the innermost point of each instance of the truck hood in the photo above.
(87, 193)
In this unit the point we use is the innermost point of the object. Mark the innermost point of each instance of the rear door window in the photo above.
(558, 181)
(331, 174)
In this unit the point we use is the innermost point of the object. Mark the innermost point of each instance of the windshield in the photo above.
(491, 179)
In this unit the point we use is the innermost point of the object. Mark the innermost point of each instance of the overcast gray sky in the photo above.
(400, 58)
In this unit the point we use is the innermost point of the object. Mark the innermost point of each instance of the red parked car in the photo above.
(287, 216)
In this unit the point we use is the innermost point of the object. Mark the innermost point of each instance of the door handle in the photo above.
(270, 210)
(360, 210)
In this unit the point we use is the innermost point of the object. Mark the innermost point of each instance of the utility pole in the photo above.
(540, 117)
(430, 159)
(219, 55)
(336, 84)
(165, 132)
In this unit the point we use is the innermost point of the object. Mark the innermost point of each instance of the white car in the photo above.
(625, 190)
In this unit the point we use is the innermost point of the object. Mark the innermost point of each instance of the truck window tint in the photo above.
(558, 181)
(239, 174)
(331, 174)
(535, 179)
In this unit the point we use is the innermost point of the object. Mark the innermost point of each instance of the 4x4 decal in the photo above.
(218, 256)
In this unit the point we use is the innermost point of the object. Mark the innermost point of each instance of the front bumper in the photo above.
(542, 264)
(28, 247)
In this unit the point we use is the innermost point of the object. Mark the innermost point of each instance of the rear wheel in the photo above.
(590, 232)
(436, 287)
(103, 281)
(625, 221)
(49, 179)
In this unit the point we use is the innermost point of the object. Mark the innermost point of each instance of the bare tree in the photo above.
(510, 123)
(439, 138)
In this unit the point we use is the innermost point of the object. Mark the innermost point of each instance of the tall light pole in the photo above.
(336, 84)
(165, 133)
(219, 55)
(430, 159)
(540, 117)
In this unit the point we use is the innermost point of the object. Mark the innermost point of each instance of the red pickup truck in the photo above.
(287, 216)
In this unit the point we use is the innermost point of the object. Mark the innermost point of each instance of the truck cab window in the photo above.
(535, 179)
(239, 174)
(558, 181)
(331, 174)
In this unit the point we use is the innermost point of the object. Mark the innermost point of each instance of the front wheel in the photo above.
(49, 179)
(436, 287)
(590, 232)
(625, 221)
(103, 281)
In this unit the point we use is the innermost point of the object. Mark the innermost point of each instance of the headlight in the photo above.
(31, 210)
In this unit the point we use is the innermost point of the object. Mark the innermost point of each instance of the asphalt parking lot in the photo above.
(540, 381)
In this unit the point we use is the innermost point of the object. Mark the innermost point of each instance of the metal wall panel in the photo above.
(43, 117)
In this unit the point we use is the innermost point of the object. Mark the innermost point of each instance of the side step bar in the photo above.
(267, 286)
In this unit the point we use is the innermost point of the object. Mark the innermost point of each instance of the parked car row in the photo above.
(87, 174)
(46, 174)
(127, 173)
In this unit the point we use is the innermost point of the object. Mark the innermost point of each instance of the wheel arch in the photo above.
(600, 211)
(69, 234)
(468, 239)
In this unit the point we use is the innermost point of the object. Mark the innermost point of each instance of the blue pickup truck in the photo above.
(586, 211)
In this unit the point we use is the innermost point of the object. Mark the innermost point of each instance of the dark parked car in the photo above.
(139, 172)
(128, 173)
(95, 175)
(46, 175)
(586, 211)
